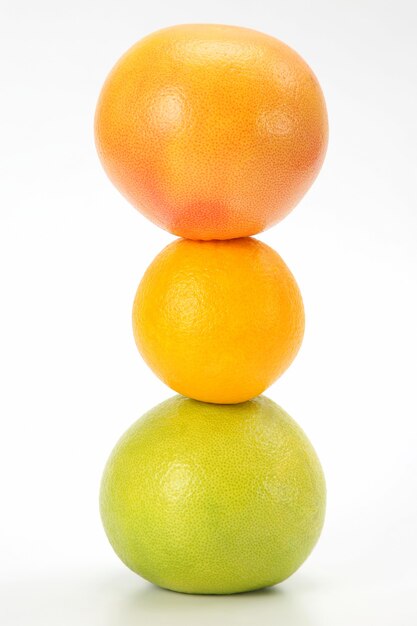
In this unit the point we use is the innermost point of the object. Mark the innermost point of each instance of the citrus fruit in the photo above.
(206, 498)
(218, 321)
(213, 132)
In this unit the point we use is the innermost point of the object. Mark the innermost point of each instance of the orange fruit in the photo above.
(218, 321)
(213, 132)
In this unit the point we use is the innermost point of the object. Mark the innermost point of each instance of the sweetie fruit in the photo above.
(213, 499)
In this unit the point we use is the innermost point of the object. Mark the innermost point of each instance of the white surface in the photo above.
(72, 252)
(117, 600)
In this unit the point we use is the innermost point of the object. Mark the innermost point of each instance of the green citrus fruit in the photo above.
(206, 498)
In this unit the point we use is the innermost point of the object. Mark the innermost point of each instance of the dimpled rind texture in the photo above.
(213, 132)
(218, 321)
(213, 499)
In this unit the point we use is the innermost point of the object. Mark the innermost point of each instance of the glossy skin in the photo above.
(212, 132)
(218, 321)
(202, 498)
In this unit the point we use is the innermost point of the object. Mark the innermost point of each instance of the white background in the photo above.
(72, 252)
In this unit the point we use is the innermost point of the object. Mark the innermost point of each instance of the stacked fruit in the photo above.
(214, 133)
